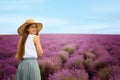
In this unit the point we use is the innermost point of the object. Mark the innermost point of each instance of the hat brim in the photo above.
(22, 27)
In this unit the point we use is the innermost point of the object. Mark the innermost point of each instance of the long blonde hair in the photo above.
(21, 44)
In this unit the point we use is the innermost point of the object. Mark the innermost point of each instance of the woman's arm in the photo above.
(38, 45)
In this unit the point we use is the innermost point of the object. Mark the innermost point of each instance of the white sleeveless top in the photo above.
(30, 50)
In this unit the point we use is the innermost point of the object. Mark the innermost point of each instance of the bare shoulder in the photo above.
(36, 38)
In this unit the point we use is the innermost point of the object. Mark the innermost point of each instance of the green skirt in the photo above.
(28, 69)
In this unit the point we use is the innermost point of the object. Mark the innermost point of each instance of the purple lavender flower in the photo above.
(107, 72)
(63, 55)
(66, 74)
(95, 78)
(115, 77)
(101, 51)
(75, 62)
(70, 48)
(105, 61)
(7, 71)
(89, 54)
(49, 66)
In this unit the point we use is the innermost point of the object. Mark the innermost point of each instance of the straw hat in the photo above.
(27, 22)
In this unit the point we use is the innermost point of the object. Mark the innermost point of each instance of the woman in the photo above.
(29, 49)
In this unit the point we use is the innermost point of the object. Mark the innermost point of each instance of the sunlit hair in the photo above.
(21, 44)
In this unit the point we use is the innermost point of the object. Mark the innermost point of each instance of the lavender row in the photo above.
(68, 57)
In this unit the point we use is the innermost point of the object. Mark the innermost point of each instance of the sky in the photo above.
(62, 16)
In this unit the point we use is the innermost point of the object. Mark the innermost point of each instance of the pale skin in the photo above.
(33, 30)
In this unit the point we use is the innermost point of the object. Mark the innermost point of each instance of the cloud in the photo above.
(106, 8)
(52, 21)
(22, 1)
(19, 4)
(89, 29)
(93, 17)
(49, 21)
(13, 7)
(58, 25)
(15, 21)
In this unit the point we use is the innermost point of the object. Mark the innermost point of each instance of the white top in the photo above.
(30, 50)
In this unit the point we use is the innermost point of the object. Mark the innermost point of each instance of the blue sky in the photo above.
(62, 16)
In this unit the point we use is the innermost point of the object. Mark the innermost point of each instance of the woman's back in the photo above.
(30, 50)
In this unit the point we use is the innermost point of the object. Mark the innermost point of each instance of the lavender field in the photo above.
(67, 57)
